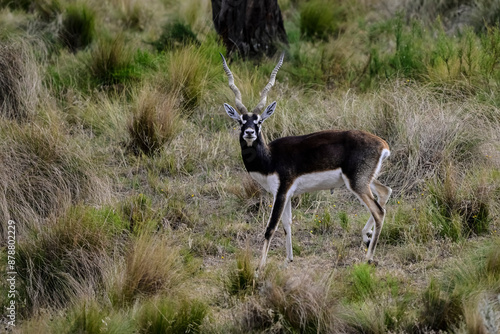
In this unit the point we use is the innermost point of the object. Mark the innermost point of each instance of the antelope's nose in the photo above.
(249, 132)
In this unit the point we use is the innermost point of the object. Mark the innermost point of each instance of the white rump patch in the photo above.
(385, 154)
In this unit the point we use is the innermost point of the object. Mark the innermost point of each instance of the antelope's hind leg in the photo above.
(383, 193)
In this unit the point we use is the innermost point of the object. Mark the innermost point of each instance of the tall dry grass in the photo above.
(152, 265)
(156, 120)
(43, 172)
(20, 80)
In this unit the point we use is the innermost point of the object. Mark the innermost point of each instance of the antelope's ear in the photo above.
(269, 111)
(232, 112)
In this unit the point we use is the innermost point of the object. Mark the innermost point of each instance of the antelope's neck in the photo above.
(257, 158)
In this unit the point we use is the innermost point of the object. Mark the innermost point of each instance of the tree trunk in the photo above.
(250, 27)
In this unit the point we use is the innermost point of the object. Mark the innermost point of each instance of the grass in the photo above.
(78, 27)
(20, 84)
(134, 213)
(155, 121)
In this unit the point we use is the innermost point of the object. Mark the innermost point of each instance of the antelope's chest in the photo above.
(269, 182)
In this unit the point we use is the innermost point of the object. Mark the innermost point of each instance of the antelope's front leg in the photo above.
(272, 225)
(287, 226)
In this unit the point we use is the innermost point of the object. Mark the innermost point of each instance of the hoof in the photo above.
(367, 244)
(373, 263)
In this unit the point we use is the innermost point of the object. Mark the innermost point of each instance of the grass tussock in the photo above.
(132, 14)
(242, 279)
(20, 82)
(290, 303)
(151, 266)
(110, 62)
(165, 315)
(155, 122)
(191, 74)
(424, 133)
(320, 19)
(78, 26)
(460, 297)
(461, 209)
(43, 173)
(67, 259)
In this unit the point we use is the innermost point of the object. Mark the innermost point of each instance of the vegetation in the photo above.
(134, 214)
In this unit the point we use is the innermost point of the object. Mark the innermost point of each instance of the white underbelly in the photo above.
(303, 184)
(317, 181)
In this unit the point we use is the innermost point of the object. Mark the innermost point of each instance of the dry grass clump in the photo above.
(462, 205)
(132, 13)
(460, 297)
(42, 172)
(152, 265)
(425, 130)
(67, 258)
(20, 82)
(290, 303)
(155, 121)
(191, 73)
(455, 14)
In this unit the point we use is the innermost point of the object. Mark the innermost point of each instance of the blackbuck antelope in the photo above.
(318, 161)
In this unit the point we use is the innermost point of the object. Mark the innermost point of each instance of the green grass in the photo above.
(133, 210)
(78, 27)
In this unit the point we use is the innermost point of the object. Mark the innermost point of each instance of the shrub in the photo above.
(490, 55)
(78, 27)
(20, 83)
(155, 121)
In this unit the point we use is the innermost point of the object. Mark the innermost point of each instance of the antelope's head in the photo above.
(250, 123)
